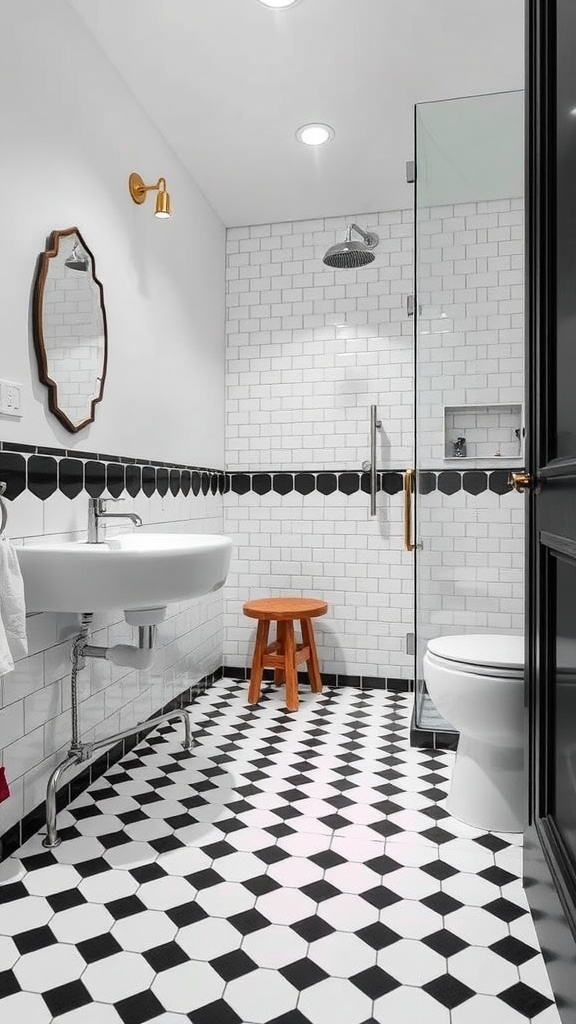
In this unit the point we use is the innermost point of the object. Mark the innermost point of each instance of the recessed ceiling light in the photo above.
(315, 134)
(279, 5)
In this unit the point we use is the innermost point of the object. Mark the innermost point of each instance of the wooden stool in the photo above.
(284, 655)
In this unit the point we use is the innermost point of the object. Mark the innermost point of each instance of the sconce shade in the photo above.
(163, 204)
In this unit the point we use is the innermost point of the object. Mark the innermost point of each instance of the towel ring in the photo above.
(3, 509)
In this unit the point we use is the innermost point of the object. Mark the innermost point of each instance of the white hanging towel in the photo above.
(6, 660)
(13, 642)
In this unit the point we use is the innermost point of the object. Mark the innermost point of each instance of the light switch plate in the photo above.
(10, 398)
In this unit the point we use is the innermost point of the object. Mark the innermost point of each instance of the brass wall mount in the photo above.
(138, 190)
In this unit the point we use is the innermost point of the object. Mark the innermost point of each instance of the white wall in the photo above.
(71, 133)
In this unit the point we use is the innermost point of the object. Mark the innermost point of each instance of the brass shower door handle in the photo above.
(409, 476)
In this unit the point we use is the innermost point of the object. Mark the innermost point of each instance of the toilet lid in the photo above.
(495, 650)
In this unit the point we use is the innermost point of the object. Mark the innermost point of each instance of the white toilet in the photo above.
(477, 685)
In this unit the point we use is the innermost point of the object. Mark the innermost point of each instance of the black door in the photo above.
(550, 846)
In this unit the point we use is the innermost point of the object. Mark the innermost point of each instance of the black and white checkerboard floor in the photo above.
(294, 869)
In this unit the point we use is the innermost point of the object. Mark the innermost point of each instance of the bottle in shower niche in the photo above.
(459, 448)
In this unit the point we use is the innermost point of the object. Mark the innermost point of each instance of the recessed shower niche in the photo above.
(480, 433)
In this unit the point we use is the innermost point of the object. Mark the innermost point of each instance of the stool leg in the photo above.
(257, 667)
(279, 674)
(313, 664)
(290, 666)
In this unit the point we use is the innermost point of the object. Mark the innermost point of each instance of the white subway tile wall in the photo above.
(308, 350)
(35, 698)
(471, 565)
(471, 328)
(471, 354)
(325, 547)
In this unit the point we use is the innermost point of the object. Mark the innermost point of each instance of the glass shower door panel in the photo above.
(469, 184)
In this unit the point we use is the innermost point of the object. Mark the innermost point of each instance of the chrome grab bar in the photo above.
(3, 509)
(371, 467)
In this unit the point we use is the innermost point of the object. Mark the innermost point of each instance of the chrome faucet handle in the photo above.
(102, 502)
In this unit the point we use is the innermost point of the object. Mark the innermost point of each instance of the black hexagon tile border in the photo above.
(43, 471)
(448, 482)
(290, 869)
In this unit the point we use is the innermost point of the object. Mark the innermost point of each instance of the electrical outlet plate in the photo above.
(10, 398)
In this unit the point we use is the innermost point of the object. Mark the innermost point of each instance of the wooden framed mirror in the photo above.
(69, 328)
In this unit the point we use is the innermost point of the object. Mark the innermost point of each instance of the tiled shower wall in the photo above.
(471, 354)
(471, 327)
(470, 575)
(308, 350)
(49, 503)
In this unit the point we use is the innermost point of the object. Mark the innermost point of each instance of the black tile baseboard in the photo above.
(429, 739)
(22, 830)
(330, 679)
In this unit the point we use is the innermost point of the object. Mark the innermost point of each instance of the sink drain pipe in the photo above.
(139, 658)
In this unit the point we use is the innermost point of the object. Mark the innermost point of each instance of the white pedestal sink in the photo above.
(137, 573)
(132, 572)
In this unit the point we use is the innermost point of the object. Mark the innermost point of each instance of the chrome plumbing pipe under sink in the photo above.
(80, 751)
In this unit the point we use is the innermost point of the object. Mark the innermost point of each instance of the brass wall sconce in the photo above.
(138, 190)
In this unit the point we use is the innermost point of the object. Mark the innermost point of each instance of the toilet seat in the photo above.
(493, 655)
(470, 671)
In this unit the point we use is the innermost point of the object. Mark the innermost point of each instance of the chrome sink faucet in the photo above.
(97, 511)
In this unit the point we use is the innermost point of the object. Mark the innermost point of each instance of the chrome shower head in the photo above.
(348, 255)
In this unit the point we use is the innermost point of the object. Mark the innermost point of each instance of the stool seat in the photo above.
(279, 609)
(284, 654)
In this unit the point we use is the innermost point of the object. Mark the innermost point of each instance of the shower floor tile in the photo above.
(292, 869)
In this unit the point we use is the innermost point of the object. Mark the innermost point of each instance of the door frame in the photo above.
(548, 875)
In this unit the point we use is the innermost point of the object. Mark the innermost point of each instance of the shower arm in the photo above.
(370, 239)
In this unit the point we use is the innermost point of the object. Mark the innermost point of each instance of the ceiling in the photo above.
(229, 81)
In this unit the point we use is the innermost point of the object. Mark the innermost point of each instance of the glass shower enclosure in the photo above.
(469, 384)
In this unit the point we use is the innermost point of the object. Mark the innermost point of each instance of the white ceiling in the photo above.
(229, 81)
